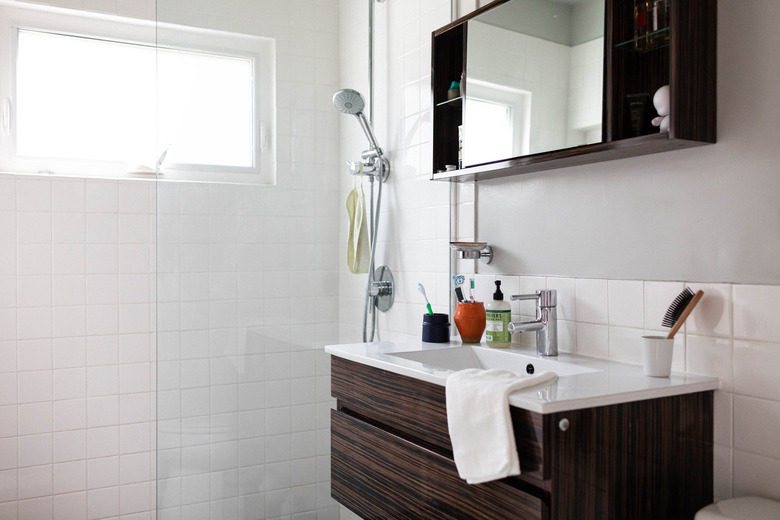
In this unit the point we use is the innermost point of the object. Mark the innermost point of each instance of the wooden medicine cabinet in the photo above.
(520, 86)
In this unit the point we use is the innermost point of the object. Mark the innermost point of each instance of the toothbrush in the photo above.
(471, 289)
(427, 303)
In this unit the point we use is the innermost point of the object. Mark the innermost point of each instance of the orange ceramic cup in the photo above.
(470, 320)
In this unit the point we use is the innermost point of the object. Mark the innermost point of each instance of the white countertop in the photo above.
(605, 383)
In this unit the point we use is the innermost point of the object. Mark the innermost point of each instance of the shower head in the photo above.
(351, 102)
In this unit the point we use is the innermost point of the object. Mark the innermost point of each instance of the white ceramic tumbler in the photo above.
(657, 355)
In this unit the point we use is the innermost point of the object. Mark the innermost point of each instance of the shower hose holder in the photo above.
(372, 163)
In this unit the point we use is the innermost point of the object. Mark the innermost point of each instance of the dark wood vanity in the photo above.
(686, 62)
(391, 456)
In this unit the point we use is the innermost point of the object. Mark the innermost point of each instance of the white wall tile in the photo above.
(34, 418)
(102, 411)
(34, 354)
(35, 386)
(68, 196)
(626, 303)
(102, 503)
(35, 508)
(748, 412)
(35, 450)
(102, 472)
(591, 301)
(102, 442)
(70, 477)
(70, 414)
(592, 340)
(70, 383)
(70, 445)
(35, 482)
(33, 194)
(625, 345)
(756, 475)
(68, 290)
(711, 357)
(71, 505)
(755, 312)
(712, 315)
(101, 196)
(751, 376)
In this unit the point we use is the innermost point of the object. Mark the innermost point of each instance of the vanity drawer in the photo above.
(416, 410)
(379, 475)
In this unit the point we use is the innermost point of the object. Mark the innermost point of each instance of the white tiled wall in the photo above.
(76, 370)
(234, 304)
(244, 309)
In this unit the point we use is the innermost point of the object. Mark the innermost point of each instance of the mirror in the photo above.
(534, 79)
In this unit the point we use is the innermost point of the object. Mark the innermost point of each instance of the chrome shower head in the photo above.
(349, 101)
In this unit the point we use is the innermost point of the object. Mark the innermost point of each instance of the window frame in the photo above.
(158, 35)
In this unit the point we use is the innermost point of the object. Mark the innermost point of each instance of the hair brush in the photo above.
(680, 309)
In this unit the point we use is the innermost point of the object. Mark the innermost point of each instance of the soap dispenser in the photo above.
(498, 315)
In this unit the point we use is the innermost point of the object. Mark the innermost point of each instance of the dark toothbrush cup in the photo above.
(436, 328)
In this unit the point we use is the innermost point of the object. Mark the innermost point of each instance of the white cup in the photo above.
(657, 355)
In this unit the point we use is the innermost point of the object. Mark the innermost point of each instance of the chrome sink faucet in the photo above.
(546, 323)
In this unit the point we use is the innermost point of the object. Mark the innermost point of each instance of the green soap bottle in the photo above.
(498, 315)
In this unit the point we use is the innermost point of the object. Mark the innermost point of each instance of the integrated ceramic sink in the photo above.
(467, 356)
(583, 382)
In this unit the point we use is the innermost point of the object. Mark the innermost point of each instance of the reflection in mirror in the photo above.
(533, 79)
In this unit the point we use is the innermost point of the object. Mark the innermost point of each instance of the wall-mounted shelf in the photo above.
(687, 63)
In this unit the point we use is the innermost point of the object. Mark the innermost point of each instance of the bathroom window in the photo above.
(195, 105)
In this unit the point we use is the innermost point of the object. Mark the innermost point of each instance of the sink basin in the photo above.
(460, 358)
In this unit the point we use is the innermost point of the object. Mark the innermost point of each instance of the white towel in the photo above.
(483, 441)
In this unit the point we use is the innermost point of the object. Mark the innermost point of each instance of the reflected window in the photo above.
(485, 146)
(496, 122)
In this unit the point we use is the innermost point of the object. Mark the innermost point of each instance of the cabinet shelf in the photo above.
(628, 44)
(455, 103)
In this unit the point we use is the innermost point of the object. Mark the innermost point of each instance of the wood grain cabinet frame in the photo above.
(391, 456)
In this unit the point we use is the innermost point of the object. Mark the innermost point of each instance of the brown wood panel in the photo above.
(642, 460)
(417, 411)
(581, 155)
(694, 69)
(381, 476)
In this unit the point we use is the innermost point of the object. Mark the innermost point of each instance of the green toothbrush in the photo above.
(427, 303)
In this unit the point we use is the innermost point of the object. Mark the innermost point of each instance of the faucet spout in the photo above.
(517, 327)
(546, 323)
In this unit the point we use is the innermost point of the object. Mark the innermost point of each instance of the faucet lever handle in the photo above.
(545, 297)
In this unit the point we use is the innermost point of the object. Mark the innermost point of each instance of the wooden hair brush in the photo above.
(680, 309)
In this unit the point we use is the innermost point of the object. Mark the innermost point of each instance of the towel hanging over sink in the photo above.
(483, 441)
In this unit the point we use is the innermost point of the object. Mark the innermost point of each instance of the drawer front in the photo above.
(417, 410)
(381, 476)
